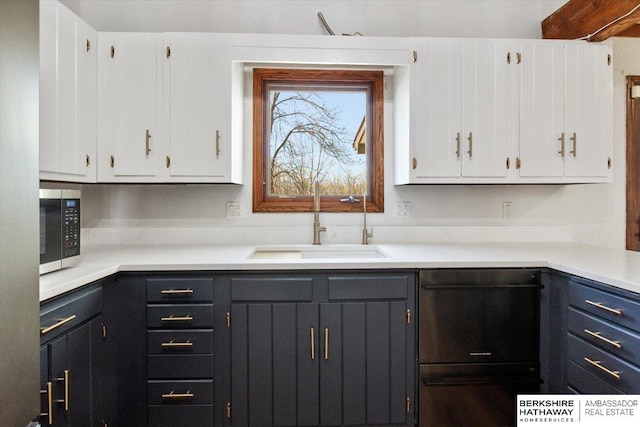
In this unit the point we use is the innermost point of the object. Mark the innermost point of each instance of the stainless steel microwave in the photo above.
(59, 229)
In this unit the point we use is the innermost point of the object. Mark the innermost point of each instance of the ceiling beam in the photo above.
(581, 18)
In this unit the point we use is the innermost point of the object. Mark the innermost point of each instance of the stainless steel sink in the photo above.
(318, 252)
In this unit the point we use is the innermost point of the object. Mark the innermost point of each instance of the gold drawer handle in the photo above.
(326, 344)
(177, 318)
(188, 343)
(600, 337)
(49, 393)
(56, 325)
(313, 344)
(598, 364)
(604, 307)
(172, 395)
(176, 291)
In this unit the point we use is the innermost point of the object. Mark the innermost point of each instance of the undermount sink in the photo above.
(318, 252)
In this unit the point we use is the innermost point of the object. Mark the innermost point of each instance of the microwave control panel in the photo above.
(71, 227)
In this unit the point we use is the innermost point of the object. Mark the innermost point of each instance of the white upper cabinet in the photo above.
(67, 95)
(460, 119)
(197, 110)
(566, 112)
(129, 104)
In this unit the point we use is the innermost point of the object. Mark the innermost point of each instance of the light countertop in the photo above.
(615, 267)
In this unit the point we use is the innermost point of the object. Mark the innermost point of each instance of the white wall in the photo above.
(136, 213)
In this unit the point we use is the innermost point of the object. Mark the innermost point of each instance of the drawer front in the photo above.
(180, 342)
(620, 374)
(61, 315)
(271, 289)
(606, 305)
(585, 382)
(172, 316)
(619, 341)
(180, 289)
(363, 287)
(180, 416)
(179, 366)
(186, 392)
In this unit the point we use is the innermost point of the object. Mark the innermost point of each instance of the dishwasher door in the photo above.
(479, 316)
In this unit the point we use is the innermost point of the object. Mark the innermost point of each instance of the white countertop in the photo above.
(618, 268)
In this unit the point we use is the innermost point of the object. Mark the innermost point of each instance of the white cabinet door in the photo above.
(196, 108)
(67, 95)
(129, 97)
(484, 109)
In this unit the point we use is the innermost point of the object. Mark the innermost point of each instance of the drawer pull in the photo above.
(598, 364)
(170, 344)
(49, 393)
(598, 335)
(604, 307)
(173, 318)
(176, 291)
(313, 344)
(56, 325)
(172, 395)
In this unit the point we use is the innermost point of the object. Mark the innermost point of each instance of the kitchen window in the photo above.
(317, 125)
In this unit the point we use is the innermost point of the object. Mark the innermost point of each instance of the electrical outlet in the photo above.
(234, 210)
(506, 209)
(403, 210)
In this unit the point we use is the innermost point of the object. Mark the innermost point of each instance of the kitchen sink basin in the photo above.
(318, 252)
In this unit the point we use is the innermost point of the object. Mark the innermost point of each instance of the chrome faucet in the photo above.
(317, 228)
(366, 234)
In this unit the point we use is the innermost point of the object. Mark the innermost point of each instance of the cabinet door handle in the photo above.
(60, 322)
(604, 307)
(458, 145)
(65, 378)
(176, 291)
(172, 344)
(598, 364)
(147, 142)
(470, 139)
(217, 144)
(172, 395)
(598, 335)
(326, 344)
(49, 413)
(574, 140)
(313, 344)
(177, 318)
(561, 139)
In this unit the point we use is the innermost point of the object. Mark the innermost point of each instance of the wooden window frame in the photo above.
(375, 169)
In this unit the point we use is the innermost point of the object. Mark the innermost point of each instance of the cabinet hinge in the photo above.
(609, 59)
(518, 163)
(415, 56)
(508, 57)
(408, 405)
(88, 45)
(113, 51)
(168, 161)
(508, 163)
(408, 316)
(609, 162)
(104, 331)
(229, 410)
(414, 163)
(168, 52)
(88, 160)
(111, 161)
(228, 319)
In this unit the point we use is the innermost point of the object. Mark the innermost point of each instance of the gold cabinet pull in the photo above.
(172, 395)
(167, 162)
(172, 344)
(60, 322)
(561, 139)
(176, 291)
(598, 364)
(217, 144)
(147, 142)
(604, 307)
(458, 145)
(173, 318)
(49, 413)
(598, 335)
(112, 161)
(65, 378)
(313, 344)
(414, 163)
(88, 160)
(326, 344)
(574, 140)
(470, 139)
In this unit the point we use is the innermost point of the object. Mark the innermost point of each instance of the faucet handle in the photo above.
(350, 199)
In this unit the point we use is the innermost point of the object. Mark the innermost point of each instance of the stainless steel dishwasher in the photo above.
(478, 344)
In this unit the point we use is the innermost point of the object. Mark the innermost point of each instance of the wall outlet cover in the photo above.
(234, 210)
(403, 210)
